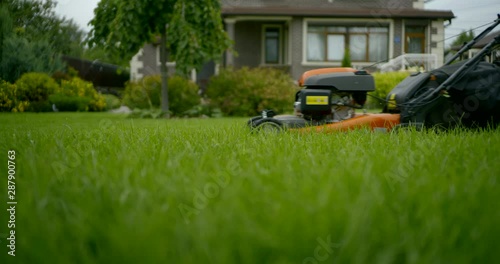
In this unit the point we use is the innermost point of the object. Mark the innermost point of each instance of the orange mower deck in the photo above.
(371, 121)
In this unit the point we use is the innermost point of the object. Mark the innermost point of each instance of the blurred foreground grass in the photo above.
(100, 188)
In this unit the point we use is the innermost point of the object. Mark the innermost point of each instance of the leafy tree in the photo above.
(194, 29)
(464, 37)
(32, 37)
(36, 20)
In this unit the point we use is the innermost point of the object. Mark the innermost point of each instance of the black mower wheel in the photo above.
(268, 125)
(253, 120)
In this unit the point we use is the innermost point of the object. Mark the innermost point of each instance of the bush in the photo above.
(112, 101)
(76, 87)
(246, 92)
(346, 60)
(66, 103)
(384, 83)
(36, 89)
(146, 94)
(7, 96)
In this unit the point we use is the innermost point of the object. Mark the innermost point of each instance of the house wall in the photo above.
(437, 40)
(398, 39)
(297, 34)
(248, 43)
(147, 62)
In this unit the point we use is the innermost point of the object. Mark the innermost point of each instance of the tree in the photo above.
(194, 29)
(36, 20)
(464, 37)
(32, 37)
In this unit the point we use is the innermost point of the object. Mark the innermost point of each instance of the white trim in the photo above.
(306, 21)
(258, 18)
(193, 75)
(135, 65)
(158, 58)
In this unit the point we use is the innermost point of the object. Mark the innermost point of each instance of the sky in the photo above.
(469, 13)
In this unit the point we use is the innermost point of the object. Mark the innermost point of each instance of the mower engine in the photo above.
(329, 95)
(332, 94)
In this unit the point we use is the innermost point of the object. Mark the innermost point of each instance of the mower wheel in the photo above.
(253, 120)
(268, 125)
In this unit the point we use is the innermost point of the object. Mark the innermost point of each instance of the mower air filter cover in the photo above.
(315, 101)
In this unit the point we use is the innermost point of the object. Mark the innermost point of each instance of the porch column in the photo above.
(230, 32)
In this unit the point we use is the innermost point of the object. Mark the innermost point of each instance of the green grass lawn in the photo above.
(100, 188)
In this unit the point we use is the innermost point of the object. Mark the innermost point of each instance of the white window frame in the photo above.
(307, 21)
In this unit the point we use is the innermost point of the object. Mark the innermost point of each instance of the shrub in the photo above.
(246, 92)
(76, 87)
(346, 60)
(112, 101)
(146, 94)
(36, 88)
(65, 103)
(384, 83)
(7, 96)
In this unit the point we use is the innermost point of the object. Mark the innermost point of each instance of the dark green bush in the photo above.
(36, 89)
(384, 83)
(66, 103)
(246, 92)
(146, 94)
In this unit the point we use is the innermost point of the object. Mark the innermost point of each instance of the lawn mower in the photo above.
(464, 93)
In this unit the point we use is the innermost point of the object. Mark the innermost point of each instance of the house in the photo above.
(298, 35)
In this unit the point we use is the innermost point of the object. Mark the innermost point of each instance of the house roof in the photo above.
(336, 12)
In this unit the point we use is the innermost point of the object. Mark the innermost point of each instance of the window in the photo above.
(272, 43)
(327, 43)
(415, 39)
